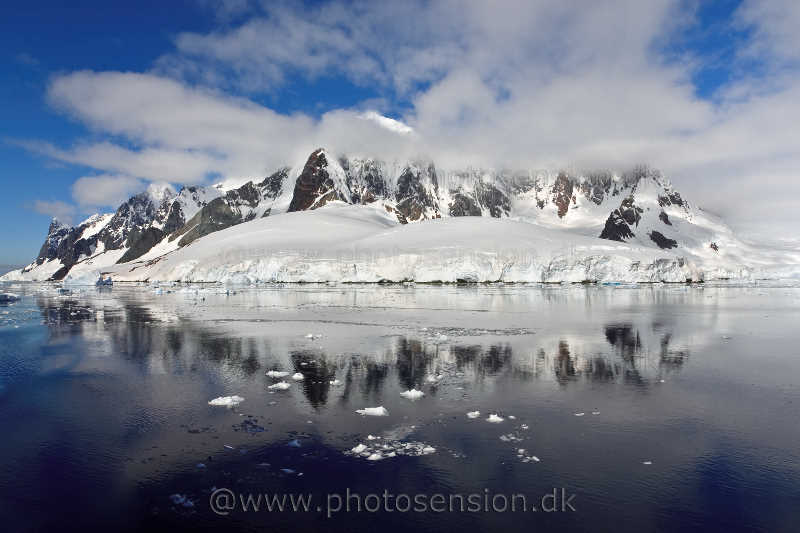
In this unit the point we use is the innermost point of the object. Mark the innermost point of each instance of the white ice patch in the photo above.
(359, 449)
(494, 419)
(298, 377)
(335, 382)
(412, 394)
(277, 374)
(280, 386)
(373, 411)
(226, 401)
(473, 414)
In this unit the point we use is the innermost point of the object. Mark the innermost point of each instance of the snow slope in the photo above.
(352, 243)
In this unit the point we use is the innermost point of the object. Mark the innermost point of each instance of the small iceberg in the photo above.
(277, 374)
(579, 414)
(280, 386)
(359, 449)
(375, 457)
(226, 401)
(412, 394)
(473, 414)
(104, 282)
(373, 411)
(494, 419)
(8, 297)
(298, 377)
(335, 382)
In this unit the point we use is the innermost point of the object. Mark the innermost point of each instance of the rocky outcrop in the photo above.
(621, 220)
(663, 242)
(314, 186)
(562, 194)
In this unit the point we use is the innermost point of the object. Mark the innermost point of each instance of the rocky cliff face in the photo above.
(638, 205)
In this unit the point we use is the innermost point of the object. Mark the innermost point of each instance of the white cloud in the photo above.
(520, 83)
(55, 208)
(105, 190)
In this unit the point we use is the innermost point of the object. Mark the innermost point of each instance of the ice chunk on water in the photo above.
(373, 411)
(298, 377)
(277, 374)
(412, 394)
(335, 382)
(375, 457)
(473, 414)
(494, 418)
(579, 414)
(647, 462)
(182, 500)
(280, 386)
(359, 449)
(226, 401)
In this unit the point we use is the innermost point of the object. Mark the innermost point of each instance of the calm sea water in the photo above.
(672, 408)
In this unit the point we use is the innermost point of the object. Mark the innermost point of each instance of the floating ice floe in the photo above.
(226, 401)
(277, 374)
(391, 448)
(434, 378)
(412, 394)
(335, 382)
(510, 438)
(579, 414)
(373, 411)
(282, 385)
(524, 426)
(473, 414)
(298, 377)
(182, 500)
(294, 443)
(595, 412)
(647, 462)
(494, 419)
(313, 336)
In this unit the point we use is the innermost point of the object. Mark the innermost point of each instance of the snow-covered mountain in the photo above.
(636, 215)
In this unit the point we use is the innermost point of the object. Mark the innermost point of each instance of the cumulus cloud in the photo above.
(56, 209)
(105, 190)
(519, 83)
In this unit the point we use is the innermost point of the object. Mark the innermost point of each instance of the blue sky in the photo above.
(701, 89)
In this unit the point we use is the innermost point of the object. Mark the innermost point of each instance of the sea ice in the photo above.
(473, 414)
(226, 401)
(280, 386)
(298, 377)
(373, 411)
(375, 457)
(412, 394)
(359, 449)
(494, 419)
(277, 374)
(335, 382)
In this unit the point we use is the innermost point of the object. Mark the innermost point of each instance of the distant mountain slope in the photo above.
(639, 207)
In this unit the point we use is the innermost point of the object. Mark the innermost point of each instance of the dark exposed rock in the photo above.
(672, 198)
(596, 186)
(714, 247)
(141, 241)
(562, 194)
(494, 199)
(464, 206)
(664, 218)
(314, 187)
(366, 183)
(273, 184)
(619, 222)
(662, 241)
(217, 215)
(413, 200)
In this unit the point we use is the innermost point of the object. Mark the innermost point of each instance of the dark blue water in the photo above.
(671, 408)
